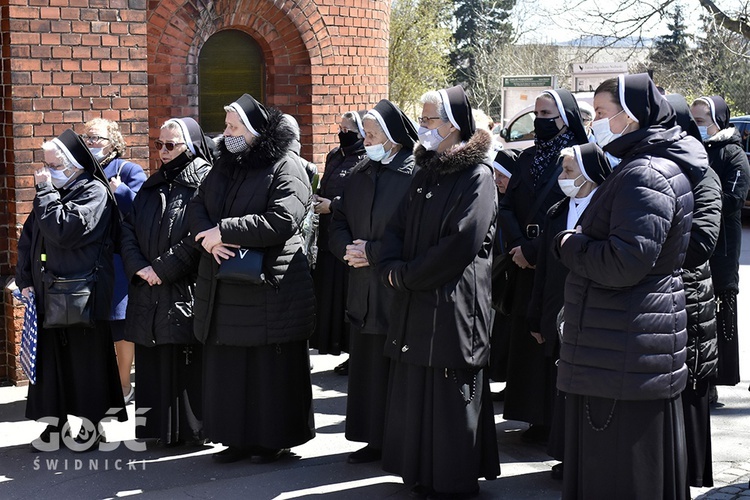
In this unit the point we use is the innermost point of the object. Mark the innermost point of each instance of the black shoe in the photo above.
(267, 455)
(462, 495)
(88, 441)
(498, 396)
(420, 491)
(44, 440)
(557, 472)
(365, 455)
(231, 454)
(535, 434)
(343, 368)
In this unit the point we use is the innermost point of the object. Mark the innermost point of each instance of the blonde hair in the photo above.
(113, 133)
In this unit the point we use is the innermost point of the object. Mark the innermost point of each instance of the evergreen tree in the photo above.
(671, 55)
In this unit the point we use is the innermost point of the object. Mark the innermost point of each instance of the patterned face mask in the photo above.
(235, 144)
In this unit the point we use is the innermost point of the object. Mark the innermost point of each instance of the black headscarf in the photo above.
(505, 161)
(195, 139)
(593, 164)
(78, 153)
(457, 106)
(395, 124)
(252, 113)
(683, 117)
(719, 110)
(567, 106)
(643, 102)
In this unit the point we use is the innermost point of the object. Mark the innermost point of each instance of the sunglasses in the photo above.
(169, 145)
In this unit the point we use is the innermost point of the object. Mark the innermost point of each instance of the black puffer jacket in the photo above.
(74, 225)
(726, 157)
(259, 199)
(625, 320)
(340, 163)
(438, 253)
(370, 198)
(156, 233)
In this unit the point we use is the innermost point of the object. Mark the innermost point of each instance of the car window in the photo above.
(523, 128)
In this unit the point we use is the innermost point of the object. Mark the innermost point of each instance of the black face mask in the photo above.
(546, 128)
(347, 138)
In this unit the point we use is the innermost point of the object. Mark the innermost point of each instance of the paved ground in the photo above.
(319, 468)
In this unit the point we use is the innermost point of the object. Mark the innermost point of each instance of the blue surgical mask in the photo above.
(61, 177)
(704, 133)
(377, 152)
(613, 160)
(430, 139)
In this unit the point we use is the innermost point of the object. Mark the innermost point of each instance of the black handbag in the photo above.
(245, 267)
(69, 301)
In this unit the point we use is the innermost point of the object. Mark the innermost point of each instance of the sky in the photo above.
(546, 21)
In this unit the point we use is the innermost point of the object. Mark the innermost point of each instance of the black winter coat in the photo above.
(625, 320)
(259, 199)
(369, 201)
(702, 353)
(340, 163)
(156, 233)
(75, 225)
(437, 252)
(726, 157)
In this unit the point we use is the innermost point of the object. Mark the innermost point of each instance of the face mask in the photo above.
(235, 144)
(346, 139)
(569, 187)
(98, 153)
(377, 152)
(613, 160)
(59, 179)
(603, 133)
(430, 139)
(546, 128)
(704, 133)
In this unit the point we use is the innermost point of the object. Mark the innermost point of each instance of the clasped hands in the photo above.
(355, 254)
(210, 240)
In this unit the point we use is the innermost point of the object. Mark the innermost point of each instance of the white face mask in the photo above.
(59, 178)
(98, 153)
(603, 133)
(569, 187)
(430, 139)
(377, 152)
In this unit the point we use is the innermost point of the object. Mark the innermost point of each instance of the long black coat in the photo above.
(340, 163)
(438, 253)
(369, 201)
(726, 157)
(625, 321)
(259, 199)
(156, 233)
(76, 225)
(702, 353)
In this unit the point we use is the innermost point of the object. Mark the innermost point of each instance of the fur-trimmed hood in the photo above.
(457, 158)
(273, 143)
(728, 135)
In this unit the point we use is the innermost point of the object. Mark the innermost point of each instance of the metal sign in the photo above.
(544, 81)
(605, 67)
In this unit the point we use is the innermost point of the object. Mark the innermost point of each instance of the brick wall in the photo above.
(63, 63)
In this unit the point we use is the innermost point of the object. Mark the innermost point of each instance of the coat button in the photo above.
(394, 342)
(405, 348)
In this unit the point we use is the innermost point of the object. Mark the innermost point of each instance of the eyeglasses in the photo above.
(424, 120)
(169, 145)
(93, 138)
(52, 166)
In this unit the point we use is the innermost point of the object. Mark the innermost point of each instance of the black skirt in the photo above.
(168, 380)
(499, 345)
(257, 396)
(440, 431)
(330, 277)
(76, 375)
(698, 434)
(368, 388)
(728, 369)
(624, 449)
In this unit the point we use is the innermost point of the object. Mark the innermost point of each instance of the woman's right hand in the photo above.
(321, 205)
(149, 276)
(26, 292)
(223, 251)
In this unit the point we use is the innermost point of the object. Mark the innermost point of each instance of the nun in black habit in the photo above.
(71, 231)
(370, 198)
(530, 194)
(161, 263)
(437, 255)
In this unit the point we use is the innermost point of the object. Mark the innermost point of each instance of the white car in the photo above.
(519, 134)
